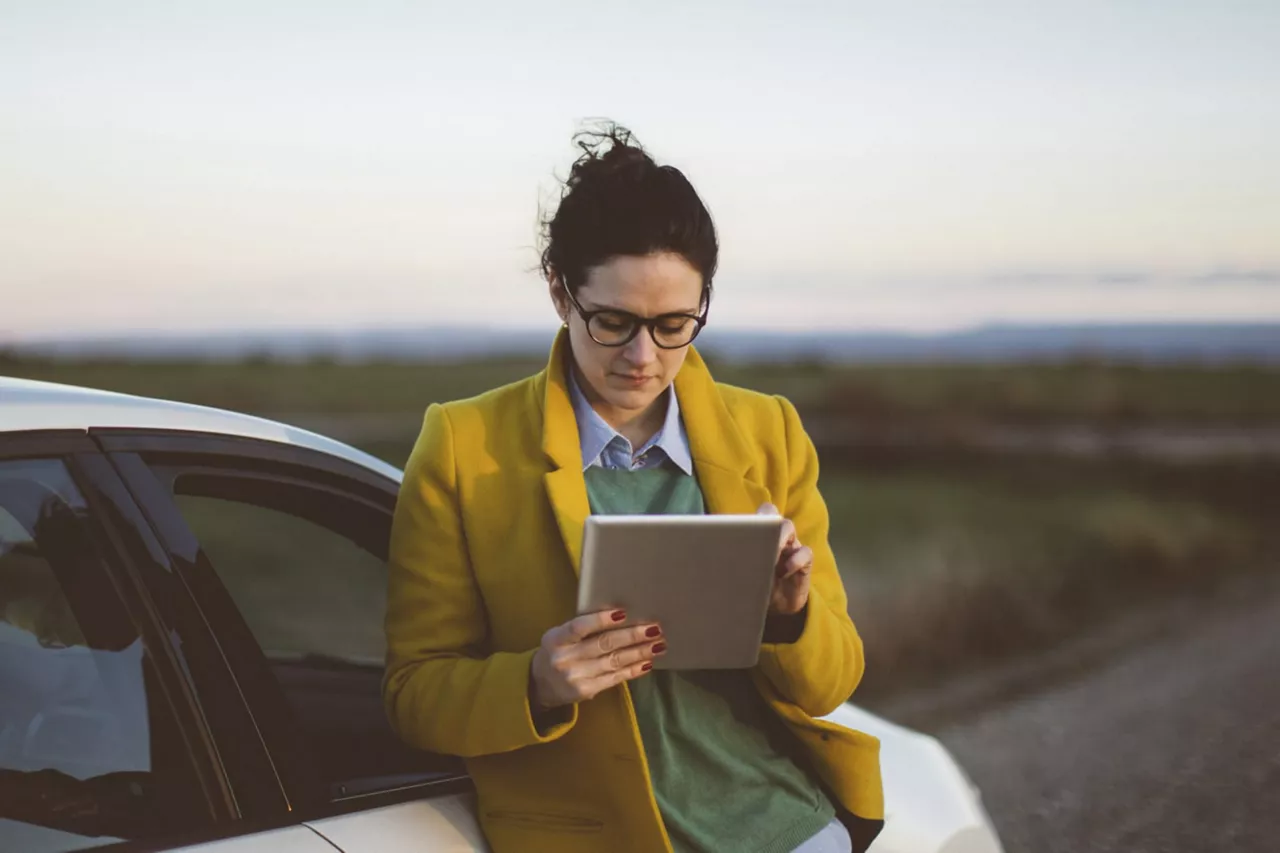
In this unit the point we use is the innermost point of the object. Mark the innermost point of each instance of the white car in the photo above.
(191, 647)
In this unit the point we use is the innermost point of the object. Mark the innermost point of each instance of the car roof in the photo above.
(27, 404)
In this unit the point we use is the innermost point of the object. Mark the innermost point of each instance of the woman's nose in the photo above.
(641, 349)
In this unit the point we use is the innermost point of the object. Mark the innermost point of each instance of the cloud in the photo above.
(1051, 278)
(1133, 278)
(1230, 275)
(1126, 278)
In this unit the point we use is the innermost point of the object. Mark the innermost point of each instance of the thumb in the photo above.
(767, 508)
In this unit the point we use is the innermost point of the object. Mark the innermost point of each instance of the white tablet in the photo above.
(704, 578)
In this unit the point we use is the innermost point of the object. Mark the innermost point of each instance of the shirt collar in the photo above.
(595, 434)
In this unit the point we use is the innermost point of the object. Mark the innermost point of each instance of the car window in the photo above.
(306, 569)
(90, 753)
(305, 590)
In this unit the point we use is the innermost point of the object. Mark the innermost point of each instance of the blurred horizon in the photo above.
(1184, 344)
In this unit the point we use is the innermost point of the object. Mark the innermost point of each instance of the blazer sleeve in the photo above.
(443, 691)
(822, 667)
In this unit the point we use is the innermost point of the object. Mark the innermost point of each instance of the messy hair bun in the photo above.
(618, 202)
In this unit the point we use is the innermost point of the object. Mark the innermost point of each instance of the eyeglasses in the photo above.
(610, 327)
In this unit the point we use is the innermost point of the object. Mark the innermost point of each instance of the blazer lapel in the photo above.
(727, 493)
(722, 457)
(566, 487)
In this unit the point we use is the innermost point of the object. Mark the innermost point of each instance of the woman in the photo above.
(573, 743)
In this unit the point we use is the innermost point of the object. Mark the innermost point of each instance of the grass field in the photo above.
(1098, 393)
(959, 563)
(952, 559)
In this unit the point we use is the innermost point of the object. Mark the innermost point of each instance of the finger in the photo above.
(621, 659)
(597, 685)
(798, 561)
(609, 642)
(616, 639)
(790, 601)
(791, 592)
(578, 629)
(786, 537)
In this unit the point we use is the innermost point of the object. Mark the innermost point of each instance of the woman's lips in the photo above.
(628, 379)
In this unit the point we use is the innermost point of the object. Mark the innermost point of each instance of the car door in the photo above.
(103, 742)
(284, 549)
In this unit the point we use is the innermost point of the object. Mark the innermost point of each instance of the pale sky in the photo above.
(210, 166)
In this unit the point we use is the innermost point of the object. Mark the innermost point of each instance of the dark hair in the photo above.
(617, 201)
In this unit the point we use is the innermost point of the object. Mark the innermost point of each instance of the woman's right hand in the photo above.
(588, 655)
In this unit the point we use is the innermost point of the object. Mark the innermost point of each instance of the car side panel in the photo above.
(292, 839)
(930, 806)
(441, 825)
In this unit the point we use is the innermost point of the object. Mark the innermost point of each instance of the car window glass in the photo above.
(315, 602)
(303, 589)
(89, 751)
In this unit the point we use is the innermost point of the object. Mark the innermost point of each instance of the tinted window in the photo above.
(306, 569)
(304, 590)
(89, 751)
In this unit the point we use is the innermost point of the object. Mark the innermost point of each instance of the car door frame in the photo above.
(182, 649)
(131, 452)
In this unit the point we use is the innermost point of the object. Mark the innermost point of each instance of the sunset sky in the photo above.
(202, 167)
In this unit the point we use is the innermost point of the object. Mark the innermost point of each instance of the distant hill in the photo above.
(995, 343)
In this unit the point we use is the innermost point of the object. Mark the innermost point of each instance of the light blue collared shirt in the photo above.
(604, 446)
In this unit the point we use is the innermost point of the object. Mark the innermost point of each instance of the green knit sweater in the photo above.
(719, 760)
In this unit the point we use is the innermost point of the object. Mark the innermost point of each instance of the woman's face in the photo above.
(626, 380)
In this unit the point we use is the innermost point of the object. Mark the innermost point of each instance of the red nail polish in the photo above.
(646, 667)
(659, 648)
(653, 631)
(618, 615)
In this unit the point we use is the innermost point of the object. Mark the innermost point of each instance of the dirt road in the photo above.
(1170, 746)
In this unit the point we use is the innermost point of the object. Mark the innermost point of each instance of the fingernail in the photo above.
(646, 667)
(653, 631)
(659, 648)
(618, 615)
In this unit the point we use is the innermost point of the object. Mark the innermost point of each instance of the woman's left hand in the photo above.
(791, 573)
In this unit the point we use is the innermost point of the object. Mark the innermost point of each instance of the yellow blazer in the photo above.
(485, 549)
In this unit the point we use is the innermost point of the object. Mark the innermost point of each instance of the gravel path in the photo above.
(1172, 746)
